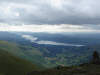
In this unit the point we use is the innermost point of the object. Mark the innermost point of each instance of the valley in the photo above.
(48, 55)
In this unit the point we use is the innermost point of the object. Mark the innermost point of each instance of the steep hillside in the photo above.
(25, 52)
(12, 65)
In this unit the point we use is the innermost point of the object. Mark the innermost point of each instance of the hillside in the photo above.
(12, 65)
(23, 51)
(85, 69)
(13, 62)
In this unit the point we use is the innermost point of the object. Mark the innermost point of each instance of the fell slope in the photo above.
(22, 51)
(12, 65)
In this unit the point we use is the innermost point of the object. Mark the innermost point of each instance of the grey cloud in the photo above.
(50, 11)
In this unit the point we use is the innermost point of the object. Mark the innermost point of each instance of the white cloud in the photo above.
(50, 28)
(17, 14)
(35, 40)
(56, 43)
(30, 38)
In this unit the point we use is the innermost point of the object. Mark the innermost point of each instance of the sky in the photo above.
(50, 15)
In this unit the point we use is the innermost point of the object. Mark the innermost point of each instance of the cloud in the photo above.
(35, 40)
(63, 28)
(50, 12)
(56, 43)
(30, 38)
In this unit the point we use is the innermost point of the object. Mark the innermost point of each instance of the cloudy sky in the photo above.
(53, 15)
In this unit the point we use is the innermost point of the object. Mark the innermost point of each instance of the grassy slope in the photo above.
(11, 65)
(24, 52)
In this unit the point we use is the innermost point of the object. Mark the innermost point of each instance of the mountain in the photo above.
(12, 65)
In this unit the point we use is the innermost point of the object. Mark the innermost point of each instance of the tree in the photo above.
(96, 59)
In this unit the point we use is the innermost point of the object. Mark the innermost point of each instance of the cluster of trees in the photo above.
(96, 58)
